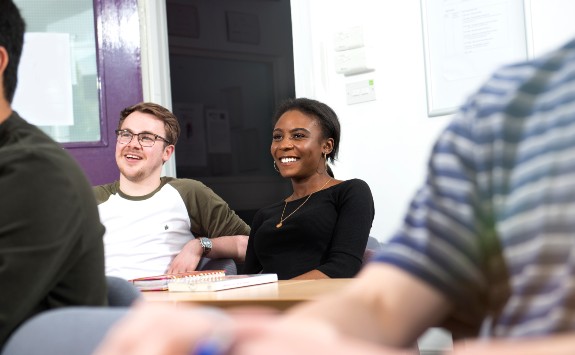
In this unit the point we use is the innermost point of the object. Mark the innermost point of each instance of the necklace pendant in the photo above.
(279, 225)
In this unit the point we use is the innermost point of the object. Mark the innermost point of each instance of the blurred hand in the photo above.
(164, 329)
(152, 328)
(283, 337)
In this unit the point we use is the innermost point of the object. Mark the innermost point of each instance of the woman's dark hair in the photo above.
(326, 117)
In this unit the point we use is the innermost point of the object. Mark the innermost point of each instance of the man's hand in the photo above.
(188, 258)
(161, 329)
(283, 337)
(231, 246)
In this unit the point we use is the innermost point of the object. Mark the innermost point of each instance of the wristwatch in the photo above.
(206, 244)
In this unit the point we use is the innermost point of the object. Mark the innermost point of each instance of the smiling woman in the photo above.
(321, 229)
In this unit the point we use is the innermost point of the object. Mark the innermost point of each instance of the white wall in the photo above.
(386, 142)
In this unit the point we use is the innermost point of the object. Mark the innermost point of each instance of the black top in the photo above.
(51, 248)
(328, 233)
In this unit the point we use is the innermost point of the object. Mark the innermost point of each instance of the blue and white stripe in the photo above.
(493, 228)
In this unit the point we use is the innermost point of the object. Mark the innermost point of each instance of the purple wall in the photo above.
(120, 80)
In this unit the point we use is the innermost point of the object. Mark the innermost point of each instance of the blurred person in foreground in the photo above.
(51, 250)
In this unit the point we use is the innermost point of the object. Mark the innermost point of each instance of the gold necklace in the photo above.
(282, 219)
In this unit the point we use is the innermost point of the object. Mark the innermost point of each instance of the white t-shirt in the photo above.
(145, 233)
(143, 236)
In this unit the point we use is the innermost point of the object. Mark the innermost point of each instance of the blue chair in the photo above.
(68, 330)
(228, 265)
(121, 293)
(373, 245)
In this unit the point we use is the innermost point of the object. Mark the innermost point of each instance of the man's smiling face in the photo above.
(137, 163)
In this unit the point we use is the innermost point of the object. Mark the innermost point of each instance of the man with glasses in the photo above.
(51, 250)
(155, 224)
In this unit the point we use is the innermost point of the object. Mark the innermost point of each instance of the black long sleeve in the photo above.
(328, 233)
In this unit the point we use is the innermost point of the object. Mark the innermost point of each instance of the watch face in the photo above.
(206, 244)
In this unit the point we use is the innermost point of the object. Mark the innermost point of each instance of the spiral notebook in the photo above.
(160, 282)
(218, 283)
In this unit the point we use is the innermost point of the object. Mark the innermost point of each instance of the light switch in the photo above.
(360, 91)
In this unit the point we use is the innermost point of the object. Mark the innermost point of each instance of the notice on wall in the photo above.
(465, 41)
(218, 129)
(192, 146)
(44, 94)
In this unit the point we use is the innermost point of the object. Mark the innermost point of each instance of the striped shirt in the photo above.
(493, 227)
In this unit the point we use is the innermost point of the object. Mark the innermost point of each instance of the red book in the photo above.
(160, 282)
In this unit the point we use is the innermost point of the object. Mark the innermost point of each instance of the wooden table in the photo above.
(280, 295)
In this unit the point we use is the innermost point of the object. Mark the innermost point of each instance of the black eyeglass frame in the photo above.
(156, 137)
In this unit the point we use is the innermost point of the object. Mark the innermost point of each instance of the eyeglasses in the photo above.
(146, 139)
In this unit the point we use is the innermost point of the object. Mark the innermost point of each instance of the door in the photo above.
(104, 82)
(231, 63)
(120, 81)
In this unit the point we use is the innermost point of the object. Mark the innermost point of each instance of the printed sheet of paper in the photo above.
(465, 41)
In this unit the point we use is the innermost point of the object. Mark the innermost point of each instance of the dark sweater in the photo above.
(51, 248)
(328, 233)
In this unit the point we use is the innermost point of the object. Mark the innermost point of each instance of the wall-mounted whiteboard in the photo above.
(464, 42)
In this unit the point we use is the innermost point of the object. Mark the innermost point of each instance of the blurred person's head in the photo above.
(12, 29)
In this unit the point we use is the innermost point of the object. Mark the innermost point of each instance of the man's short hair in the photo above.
(171, 124)
(12, 29)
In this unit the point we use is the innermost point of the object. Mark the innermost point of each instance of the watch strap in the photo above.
(206, 244)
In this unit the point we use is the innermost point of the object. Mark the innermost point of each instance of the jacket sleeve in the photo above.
(209, 213)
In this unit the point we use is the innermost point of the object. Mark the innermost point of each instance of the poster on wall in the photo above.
(218, 131)
(464, 42)
(192, 146)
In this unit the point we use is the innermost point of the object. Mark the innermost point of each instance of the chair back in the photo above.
(229, 265)
(66, 330)
(121, 293)
(373, 245)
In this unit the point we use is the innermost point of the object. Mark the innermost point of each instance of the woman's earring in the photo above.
(275, 167)
(324, 156)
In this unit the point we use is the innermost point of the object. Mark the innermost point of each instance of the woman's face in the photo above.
(298, 145)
